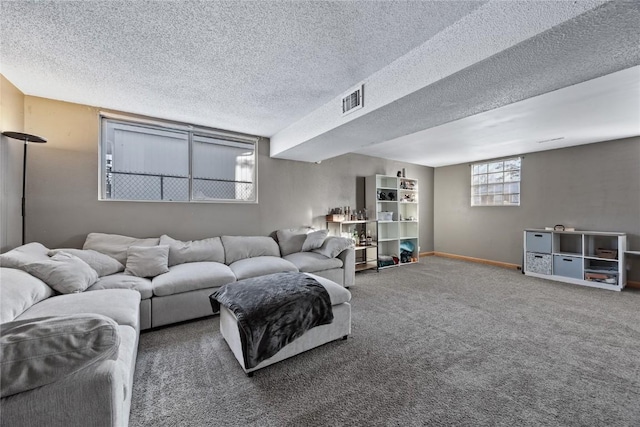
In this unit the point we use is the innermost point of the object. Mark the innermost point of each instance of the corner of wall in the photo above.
(11, 118)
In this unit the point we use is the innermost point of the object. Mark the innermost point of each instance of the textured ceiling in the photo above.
(278, 68)
(254, 67)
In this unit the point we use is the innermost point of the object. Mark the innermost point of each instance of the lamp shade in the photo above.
(24, 137)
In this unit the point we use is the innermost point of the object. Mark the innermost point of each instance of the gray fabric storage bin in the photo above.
(538, 242)
(539, 263)
(567, 266)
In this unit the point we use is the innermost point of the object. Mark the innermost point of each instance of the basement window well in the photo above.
(157, 161)
(496, 183)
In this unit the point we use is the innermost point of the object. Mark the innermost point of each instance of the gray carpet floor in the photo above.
(442, 342)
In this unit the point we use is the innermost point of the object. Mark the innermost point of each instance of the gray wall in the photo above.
(590, 187)
(63, 189)
(11, 151)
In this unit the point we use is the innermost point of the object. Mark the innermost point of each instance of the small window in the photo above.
(496, 183)
(141, 161)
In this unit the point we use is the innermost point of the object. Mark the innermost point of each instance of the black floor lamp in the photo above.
(27, 139)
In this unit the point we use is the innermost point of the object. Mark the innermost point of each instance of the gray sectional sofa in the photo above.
(110, 290)
(57, 383)
(197, 268)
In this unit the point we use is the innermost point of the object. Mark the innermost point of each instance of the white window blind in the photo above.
(146, 162)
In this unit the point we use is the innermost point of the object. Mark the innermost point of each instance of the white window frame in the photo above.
(190, 131)
(482, 195)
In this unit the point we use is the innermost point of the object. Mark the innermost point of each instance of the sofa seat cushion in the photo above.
(308, 262)
(121, 305)
(259, 266)
(337, 293)
(124, 281)
(192, 276)
(19, 291)
(40, 351)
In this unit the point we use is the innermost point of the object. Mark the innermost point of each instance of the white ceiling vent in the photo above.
(353, 100)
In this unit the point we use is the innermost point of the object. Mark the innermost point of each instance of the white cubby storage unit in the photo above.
(588, 258)
(394, 202)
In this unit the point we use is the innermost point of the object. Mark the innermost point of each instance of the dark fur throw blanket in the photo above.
(273, 310)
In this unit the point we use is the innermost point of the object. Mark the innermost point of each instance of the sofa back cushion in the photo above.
(115, 245)
(193, 250)
(241, 247)
(18, 291)
(103, 264)
(22, 255)
(36, 352)
(291, 240)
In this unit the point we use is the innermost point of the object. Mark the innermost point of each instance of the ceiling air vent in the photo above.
(353, 100)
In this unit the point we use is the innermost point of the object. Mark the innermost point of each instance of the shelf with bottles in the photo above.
(366, 257)
(363, 233)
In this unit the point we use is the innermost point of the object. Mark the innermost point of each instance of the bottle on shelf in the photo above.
(369, 239)
(363, 239)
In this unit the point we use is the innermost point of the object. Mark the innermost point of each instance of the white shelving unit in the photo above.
(394, 202)
(587, 258)
(366, 255)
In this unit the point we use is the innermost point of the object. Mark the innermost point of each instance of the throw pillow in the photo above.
(291, 240)
(193, 250)
(40, 351)
(314, 240)
(147, 261)
(64, 272)
(103, 264)
(332, 246)
(18, 292)
(22, 255)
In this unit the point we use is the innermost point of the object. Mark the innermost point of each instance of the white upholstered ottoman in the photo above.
(339, 328)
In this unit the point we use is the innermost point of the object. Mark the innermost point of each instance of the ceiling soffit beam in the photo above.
(568, 54)
(491, 29)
